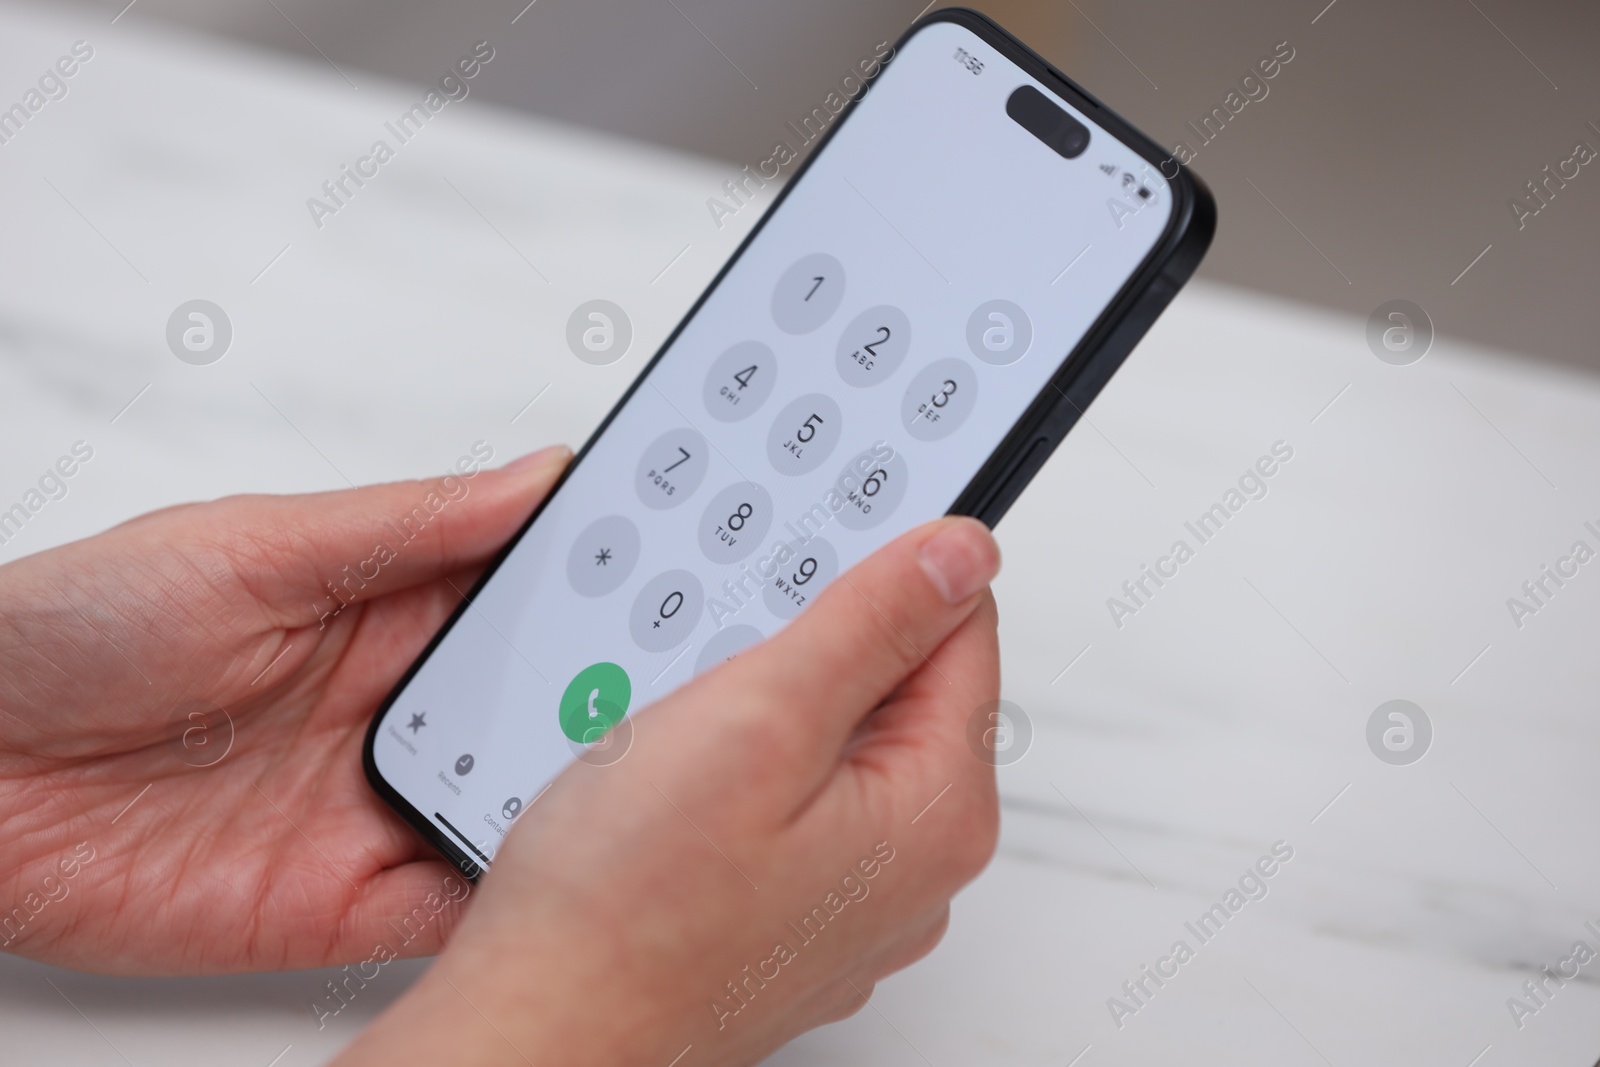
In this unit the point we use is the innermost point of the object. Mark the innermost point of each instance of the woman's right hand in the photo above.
(785, 830)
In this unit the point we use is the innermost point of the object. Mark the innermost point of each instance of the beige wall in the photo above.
(1393, 140)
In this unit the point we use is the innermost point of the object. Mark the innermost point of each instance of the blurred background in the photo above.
(1394, 141)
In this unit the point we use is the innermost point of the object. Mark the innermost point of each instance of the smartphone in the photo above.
(970, 251)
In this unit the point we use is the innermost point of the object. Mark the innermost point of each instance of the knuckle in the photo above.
(976, 831)
(928, 939)
(853, 996)
(839, 1000)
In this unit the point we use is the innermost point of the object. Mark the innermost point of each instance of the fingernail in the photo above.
(545, 457)
(960, 559)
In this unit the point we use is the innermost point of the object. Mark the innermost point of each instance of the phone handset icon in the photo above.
(594, 701)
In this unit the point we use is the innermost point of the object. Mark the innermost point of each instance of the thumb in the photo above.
(296, 552)
(864, 635)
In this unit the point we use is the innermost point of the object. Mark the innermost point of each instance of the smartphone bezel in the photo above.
(1041, 426)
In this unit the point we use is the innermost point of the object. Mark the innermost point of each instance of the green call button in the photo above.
(595, 701)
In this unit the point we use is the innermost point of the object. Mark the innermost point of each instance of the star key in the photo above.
(602, 557)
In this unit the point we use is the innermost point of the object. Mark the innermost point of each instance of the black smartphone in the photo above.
(968, 254)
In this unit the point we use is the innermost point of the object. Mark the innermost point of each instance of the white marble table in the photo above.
(1169, 754)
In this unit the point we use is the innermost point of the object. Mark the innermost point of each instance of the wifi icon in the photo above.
(1108, 168)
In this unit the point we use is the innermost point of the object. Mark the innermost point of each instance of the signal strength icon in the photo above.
(1108, 168)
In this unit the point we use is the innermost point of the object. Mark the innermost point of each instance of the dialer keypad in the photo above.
(765, 544)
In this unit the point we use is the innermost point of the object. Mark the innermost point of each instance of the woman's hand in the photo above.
(182, 705)
(784, 831)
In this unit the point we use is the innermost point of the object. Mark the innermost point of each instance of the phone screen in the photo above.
(842, 382)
